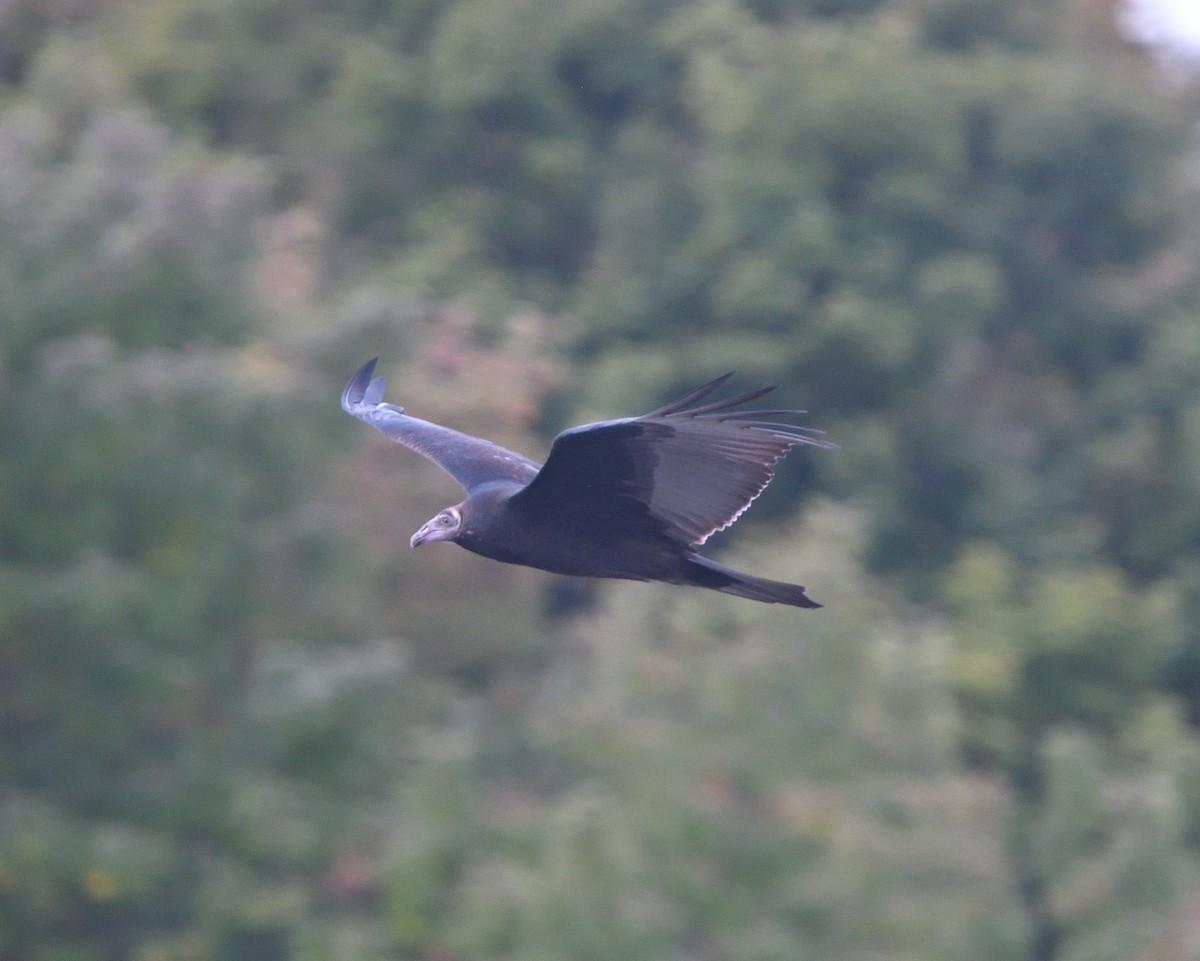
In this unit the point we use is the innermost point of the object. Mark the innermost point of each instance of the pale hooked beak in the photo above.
(443, 527)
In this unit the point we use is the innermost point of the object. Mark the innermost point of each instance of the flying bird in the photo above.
(630, 498)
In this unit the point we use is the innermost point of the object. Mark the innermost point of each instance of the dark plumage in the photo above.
(630, 498)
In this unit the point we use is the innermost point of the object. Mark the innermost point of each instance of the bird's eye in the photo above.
(445, 520)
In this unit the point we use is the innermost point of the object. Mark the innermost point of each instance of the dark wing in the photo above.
(471, 461)
(683, 473)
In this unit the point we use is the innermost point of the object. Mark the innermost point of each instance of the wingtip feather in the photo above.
(690, 398)
(374, 392)
(721, 405)
(357, 386)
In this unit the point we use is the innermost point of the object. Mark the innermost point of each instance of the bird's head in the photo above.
(443, 526)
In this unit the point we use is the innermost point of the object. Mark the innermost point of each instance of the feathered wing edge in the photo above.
(745, 446)
(472, 461)
(364, 392)
(722, 410)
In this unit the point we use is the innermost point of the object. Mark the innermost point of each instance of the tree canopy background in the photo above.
(240, 720)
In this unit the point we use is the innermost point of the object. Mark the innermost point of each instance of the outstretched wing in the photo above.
(471, 461)
(680, 471)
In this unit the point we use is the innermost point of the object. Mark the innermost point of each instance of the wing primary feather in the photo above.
(720, 411)
(760, 412)
(374, 392)
(356, 387)
(720, 405)
(794, 432)
(698, 394)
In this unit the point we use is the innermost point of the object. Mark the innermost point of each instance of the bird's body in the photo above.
(495, 527)
(629, 498)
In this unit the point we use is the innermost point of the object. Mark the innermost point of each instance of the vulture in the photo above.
(630, 498)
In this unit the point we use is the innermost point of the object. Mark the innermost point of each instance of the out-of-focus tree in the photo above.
(195, 731)
(698, 780)
(154, 485)
(1055, 672)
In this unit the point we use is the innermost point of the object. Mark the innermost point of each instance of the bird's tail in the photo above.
(702, 572)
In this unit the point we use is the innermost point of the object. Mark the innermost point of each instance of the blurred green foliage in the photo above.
(240, 720)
